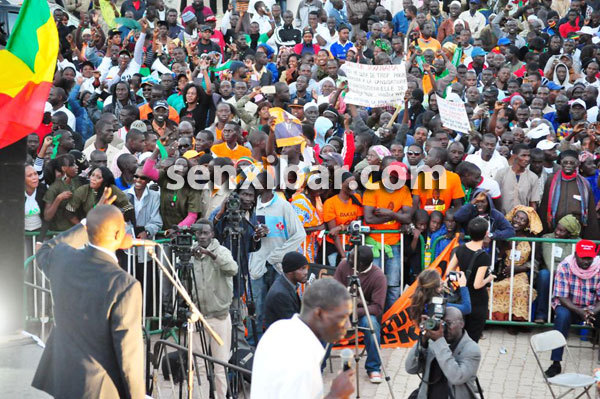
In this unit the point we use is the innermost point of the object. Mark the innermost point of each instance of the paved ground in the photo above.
(508, 370)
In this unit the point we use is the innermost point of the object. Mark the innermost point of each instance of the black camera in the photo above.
(436, 310)
(182, 243)
(233, 202)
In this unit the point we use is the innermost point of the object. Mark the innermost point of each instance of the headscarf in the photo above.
(572, 225)
(322, 125)
(322, 82)
(535, 223)
(381, 151)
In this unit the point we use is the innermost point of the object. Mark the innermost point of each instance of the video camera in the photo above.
(436, 310)
(356, 228)
(182, 243)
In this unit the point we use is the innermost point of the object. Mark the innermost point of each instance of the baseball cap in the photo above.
(161, 103)
(210, 18)
(190, 154)
(579, 101)
(187, 16)
(477, 51)
(554, 86)
(456, 3)
(86, 31)
(587, 30)
(504, 41)
(546, 145)
(399, 168)
(139, 125)
(475, 1)
(310, 105)
(586, 249)
(204, 28)
(297, 102)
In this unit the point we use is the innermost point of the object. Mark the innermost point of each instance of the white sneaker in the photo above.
(375, 377)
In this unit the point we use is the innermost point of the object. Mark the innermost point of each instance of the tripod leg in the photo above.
(373, 336)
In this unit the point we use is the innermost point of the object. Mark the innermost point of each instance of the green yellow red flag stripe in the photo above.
(28, 65)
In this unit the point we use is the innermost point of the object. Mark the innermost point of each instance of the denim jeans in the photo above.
(543, 288)
(393, 269)
(260, 288)
(562, 323)
(373, 362)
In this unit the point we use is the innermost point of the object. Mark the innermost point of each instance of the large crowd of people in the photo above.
(137, 106)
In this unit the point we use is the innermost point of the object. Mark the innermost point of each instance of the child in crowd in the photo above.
(447, 233)
(418, 228)
(435, 227)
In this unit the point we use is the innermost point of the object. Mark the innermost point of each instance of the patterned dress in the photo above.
(310, 216)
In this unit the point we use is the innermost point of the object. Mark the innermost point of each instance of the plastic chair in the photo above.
(551, 340)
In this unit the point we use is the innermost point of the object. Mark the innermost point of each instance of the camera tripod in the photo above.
(193, 316)
(233, 233)
(357, 294)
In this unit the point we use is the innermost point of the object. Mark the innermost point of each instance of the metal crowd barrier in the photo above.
(38, 301)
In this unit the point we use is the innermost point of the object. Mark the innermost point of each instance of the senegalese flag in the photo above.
(27, 70)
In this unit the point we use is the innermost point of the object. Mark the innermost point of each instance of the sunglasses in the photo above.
(412, 153)
(140, 177)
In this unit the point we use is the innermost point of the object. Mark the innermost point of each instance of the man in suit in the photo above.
(282, 300)
(448, 358)
(96, 347)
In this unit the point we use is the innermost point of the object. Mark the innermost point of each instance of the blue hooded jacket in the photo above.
(500, 228)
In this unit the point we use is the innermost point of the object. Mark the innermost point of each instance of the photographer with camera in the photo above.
(374, 285)
(236, 226)
(446, 357)
(430, 284)
(214, 269)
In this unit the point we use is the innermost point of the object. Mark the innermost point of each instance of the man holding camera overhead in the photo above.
(447, 358)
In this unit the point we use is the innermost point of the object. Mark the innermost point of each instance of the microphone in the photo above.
(346, 355)
(136, 242)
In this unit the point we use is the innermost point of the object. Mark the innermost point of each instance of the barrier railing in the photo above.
(38, 309)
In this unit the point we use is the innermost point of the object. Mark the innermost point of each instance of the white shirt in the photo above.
(137, 203)
(476, 22)
(33, 220)
(488, 168)
(491, 186)
(106, 251)
(287, 362)
(323, 31)
(70, 116)
(264, 25)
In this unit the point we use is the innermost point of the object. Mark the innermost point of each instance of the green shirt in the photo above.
(176, 204)
(84, 199)
(60, 221)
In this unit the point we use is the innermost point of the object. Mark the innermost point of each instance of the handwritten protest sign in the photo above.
(375, 85)
(453, 115)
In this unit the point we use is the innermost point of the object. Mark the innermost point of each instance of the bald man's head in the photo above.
(455, 324)
(106, 227)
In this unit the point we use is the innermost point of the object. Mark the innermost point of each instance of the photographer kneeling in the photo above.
(447, 358)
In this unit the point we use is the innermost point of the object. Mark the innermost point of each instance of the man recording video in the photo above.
(238, 214)
(214, 269)
(446, 357)
(374, 286)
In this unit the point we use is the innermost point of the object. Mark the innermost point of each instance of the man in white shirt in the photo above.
(57, 98)
(284, 370)
(263, 18)
(475, 19)
(487, 158)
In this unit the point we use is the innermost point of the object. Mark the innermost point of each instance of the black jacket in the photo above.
(282, 301)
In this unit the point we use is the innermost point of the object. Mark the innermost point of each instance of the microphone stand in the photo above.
(193, 315)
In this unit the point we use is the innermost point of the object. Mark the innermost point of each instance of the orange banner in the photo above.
(397, 330)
